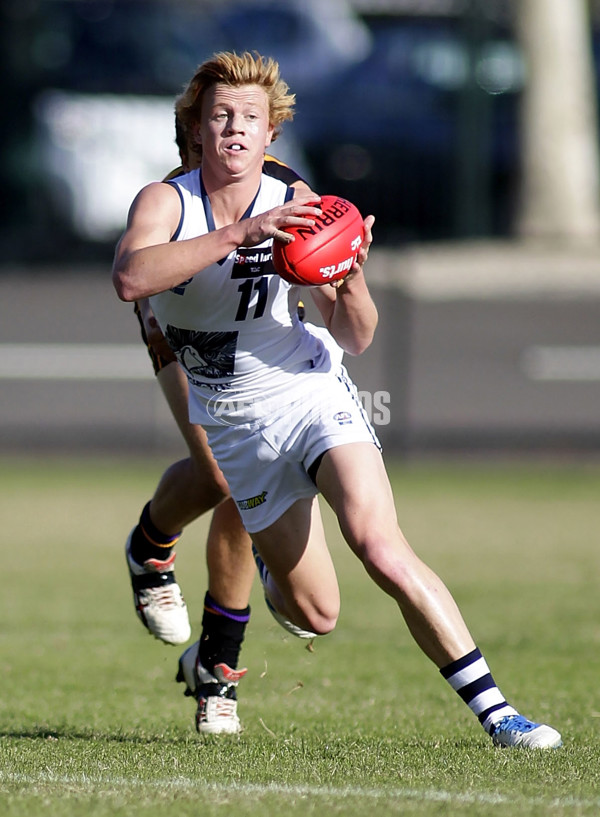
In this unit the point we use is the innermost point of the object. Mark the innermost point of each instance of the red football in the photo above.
(324, 252)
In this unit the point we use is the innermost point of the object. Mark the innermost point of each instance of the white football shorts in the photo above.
(266, 462)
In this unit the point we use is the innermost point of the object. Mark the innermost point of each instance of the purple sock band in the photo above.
(243, 616)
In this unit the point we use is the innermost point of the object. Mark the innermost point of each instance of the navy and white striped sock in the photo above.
(470, 676)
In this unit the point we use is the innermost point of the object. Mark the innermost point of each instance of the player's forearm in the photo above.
(139, 273)
(354, 317)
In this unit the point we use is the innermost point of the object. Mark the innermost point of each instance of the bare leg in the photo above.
(186, 490)
(192, 486)
(302, 579)
(302, 584)
(356, 485)
(229, 558)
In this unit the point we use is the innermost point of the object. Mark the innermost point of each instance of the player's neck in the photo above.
(230, 201)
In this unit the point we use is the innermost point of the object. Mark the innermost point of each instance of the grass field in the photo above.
(92, 723)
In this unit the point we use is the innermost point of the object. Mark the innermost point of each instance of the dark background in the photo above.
(413, 116)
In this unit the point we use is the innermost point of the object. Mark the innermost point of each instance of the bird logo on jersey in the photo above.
(206, 355)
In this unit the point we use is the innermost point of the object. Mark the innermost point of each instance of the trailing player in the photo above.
(281, 416)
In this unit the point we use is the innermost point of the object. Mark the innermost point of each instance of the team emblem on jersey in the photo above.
(205, 355)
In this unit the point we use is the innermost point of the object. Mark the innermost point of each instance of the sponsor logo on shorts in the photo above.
(252, 502)
(343, 417)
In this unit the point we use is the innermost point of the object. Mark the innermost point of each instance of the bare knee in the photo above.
(324, 618)
(213, 494)
(209, 484)
(317, 615)
(320, 620)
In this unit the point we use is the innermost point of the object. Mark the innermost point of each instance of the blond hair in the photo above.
(233, 69)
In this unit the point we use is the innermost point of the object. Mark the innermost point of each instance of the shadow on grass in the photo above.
(329, 744)
(65, 733)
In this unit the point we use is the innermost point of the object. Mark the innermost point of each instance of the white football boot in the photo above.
(519, 733)
(216, 693)
(157, 597)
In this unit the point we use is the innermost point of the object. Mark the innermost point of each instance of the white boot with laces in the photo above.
(216, 693)
(158, 600)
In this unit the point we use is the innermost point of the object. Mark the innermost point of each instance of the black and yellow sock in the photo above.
(148, 542)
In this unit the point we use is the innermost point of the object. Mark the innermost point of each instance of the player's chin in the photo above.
(235, 162)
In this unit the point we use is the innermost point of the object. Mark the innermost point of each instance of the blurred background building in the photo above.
(468, 127)
(418, 110)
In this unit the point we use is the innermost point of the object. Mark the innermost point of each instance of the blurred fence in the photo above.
(480, 347)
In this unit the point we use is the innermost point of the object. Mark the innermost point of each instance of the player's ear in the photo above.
(196, 134)
(269, 136)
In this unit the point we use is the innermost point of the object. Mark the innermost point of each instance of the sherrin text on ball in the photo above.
(325, 251)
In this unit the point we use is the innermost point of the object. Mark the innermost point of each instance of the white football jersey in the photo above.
(234, 326)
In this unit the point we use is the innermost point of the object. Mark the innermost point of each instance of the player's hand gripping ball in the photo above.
(324, 252)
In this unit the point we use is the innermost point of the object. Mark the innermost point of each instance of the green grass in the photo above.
(92, 723)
